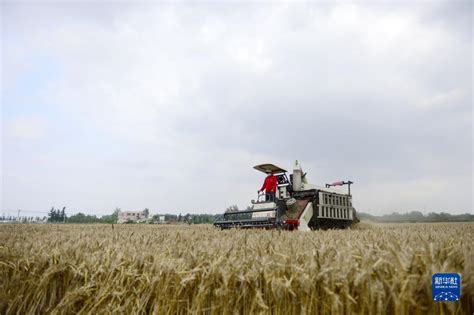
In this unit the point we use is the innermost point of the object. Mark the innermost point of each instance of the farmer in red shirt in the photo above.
(269, 185)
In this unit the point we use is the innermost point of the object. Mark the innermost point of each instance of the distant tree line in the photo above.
(59, 216)
(56, 215)
(26, 219)
(169, 218)
(85, 218)
(238, 216)
(417, 216)
(187, 218)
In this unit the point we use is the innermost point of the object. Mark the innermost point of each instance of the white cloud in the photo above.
(449, 99)
(27, 128)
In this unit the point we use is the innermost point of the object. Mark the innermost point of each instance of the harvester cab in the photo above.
(297, 205)
(283, 183)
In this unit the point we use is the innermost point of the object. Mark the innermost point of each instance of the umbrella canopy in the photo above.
(265, 168)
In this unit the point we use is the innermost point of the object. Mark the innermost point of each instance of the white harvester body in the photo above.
(297, 205)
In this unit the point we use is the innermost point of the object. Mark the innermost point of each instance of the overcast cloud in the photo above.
(169, 106)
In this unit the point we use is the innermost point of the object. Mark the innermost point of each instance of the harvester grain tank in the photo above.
(298, 205)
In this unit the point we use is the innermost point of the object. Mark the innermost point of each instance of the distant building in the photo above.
(132, 216)
(161, 219)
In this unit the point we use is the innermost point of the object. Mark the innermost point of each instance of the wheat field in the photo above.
(149, 269)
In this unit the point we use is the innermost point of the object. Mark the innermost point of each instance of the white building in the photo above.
(132, 216)
(161, 219)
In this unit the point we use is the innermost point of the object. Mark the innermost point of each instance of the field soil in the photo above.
(151, 269)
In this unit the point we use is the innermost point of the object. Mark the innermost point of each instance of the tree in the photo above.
(146, 212)
(52, 215)
(237, 216)
(83, 218)
(115, 215)
(112, 218)
(232, 208)
(56, 215)
(187, 218)
(171, 217)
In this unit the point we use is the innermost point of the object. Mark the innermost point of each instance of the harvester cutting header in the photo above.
(293, 204)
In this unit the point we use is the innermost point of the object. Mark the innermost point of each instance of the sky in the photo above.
(168, 106)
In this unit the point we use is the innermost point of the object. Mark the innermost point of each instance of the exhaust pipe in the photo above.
(297, 177)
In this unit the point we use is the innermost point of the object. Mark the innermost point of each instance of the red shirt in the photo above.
(270, 184)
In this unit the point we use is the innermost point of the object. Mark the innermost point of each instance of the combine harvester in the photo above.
(297, 205)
